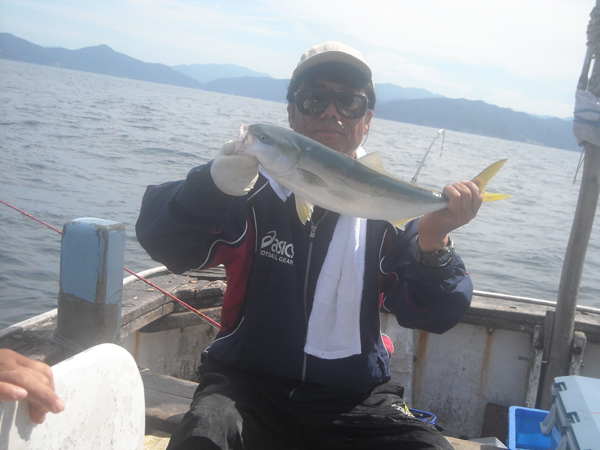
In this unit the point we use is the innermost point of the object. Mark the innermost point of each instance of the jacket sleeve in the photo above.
(182, 223)
(433, 300)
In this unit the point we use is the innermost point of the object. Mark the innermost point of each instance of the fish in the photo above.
(318, 175)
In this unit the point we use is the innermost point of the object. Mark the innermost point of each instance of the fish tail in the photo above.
(484, 178)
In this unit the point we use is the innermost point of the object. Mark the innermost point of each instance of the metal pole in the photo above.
(561, 342)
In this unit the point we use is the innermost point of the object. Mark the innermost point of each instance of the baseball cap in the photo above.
(332, 51)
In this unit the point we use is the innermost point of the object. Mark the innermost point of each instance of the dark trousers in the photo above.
(233, 411)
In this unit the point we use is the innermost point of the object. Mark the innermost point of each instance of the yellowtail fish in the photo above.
(360, 187)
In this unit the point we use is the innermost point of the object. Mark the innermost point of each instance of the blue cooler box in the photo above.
(574, 420)
(524, 429)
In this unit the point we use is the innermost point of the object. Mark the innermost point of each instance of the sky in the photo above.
(526, 55)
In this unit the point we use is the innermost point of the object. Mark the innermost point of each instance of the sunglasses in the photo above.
(312, 102)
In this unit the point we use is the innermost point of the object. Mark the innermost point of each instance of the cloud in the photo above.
(452, 48)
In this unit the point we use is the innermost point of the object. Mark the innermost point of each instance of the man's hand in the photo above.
(234, 174)
(23, 378)
(464, 200)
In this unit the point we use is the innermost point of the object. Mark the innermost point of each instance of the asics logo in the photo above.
(276, 249)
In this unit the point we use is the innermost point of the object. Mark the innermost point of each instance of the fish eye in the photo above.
(263, 138)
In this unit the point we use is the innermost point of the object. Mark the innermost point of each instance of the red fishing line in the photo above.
(182, 303)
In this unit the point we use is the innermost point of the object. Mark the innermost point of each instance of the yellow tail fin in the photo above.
(484, 178)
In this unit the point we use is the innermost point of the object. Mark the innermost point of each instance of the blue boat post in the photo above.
(91, 280)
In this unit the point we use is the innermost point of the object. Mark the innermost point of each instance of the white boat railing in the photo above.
(533, 301)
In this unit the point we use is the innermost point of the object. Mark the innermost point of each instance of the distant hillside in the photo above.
(478, 117)
(276, 89)
(206, 73)
(100, 59)
(254, 87)
(410, 105)
(388, 91)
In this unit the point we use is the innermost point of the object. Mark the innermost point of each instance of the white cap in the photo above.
(332, 51)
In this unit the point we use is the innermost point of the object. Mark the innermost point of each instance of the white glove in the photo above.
(234, 174)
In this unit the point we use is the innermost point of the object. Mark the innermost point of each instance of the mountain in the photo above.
(205, 73)
(100, 59)
(388, 91)
(478, 117)
(410, 105)
(254, 87)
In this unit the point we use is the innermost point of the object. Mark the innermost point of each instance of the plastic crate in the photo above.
(574, 420)
(524, 429)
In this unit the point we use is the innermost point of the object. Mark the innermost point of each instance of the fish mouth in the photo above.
(244, 137)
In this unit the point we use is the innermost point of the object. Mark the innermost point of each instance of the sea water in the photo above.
(76, 144)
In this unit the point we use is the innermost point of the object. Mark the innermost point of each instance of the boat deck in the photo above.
(156, 440)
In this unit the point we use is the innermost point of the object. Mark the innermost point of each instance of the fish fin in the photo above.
(484, 178)
(313, 179)
(491, 197)
(304, 209)
(373, 161)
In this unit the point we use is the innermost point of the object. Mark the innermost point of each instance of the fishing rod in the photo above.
(443, 134)
(203, 316)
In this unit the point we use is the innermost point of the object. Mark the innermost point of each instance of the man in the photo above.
(23, 378)
(289, 367)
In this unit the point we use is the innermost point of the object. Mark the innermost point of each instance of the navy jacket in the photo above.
(272, 264)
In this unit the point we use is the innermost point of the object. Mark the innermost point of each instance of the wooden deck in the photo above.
(156, 440)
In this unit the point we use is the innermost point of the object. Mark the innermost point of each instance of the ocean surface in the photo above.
(76, 144)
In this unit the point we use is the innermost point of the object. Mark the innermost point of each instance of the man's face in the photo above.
(330, 128)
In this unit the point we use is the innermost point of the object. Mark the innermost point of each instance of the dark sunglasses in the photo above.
(313, 102)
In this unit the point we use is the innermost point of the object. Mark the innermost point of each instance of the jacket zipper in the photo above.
(311, 237)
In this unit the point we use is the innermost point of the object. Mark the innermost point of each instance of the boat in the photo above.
(506, 352)
(466, 378)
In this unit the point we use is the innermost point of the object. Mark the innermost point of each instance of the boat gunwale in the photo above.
(143, 305)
